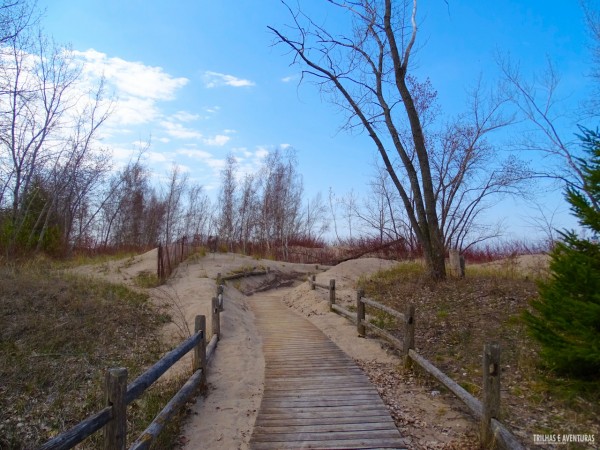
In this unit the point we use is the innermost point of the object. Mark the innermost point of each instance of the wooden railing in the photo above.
(487, 411)
(113, 417)
(171, 255)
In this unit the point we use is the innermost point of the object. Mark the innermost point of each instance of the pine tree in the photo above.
(566, 316)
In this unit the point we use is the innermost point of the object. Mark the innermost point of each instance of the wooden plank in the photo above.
(315, 396)
(317, 403)
(319, 393)
(320, 427)
(322, 414)
(340, 444)
(346, 420)
(326, 436)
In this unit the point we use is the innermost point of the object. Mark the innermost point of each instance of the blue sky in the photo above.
(202, 79)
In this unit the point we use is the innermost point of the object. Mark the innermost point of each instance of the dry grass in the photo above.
(58, 335)
(453, 321)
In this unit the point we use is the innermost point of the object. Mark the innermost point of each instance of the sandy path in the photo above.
(225, 417)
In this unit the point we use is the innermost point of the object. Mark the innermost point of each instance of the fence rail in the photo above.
(113, 417)
(487, 411)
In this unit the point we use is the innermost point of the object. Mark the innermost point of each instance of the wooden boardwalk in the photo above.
(315, 396)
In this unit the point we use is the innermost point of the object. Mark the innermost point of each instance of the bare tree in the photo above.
(444, 178)
(197, 214)
(315, 222)
(281, 199)
(470, 175)
(368, 70)
(173, 201)
(249, 205)
(227, 210)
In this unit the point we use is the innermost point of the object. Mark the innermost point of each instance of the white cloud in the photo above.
(290, 78)
(184, 116)
(212, 109)
(204, 157)
(156, 157)
(216, 79)
(261, 153)
(137, 88)
(178, 131)
(218, 141)
(134, 111)
(131, 77)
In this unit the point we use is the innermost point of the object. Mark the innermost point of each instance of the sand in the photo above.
(224, 417)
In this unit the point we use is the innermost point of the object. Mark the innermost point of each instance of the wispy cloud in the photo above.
(290, 78)
(138, 87)
(184, 116)
(203, 157)
(131, 77)
(216, 79)
(179, 131)
(218, 141)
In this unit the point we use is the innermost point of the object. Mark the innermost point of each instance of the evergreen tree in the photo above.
(566, 317)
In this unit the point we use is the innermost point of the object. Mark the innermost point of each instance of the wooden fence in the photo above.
(113, 418)
(486, 411)
(171, 255)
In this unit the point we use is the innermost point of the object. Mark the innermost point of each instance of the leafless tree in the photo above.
(470, 176)
(381, 211)
(248, 210)
(281, 199)
(227, 208)
(173, 199)
(197, 213)
(367, 72)
(315, 223)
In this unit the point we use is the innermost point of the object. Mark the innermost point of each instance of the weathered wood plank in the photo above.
(315, 396)
(332, 445)
(321, 428)
(319, 403)
(346, 420)
(326, 436)
(277, 414)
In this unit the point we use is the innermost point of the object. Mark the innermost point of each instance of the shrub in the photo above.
(566, 316)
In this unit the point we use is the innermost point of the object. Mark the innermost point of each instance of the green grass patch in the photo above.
(146, 279)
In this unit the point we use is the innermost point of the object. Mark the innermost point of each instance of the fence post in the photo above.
(312, 282)
(456, 268)
(216, 320)
(199, 359)
(160, 269)
(115, 432)
(220, 297)
(331, 294)
(409, 332)
(491, 390)
(360, 313)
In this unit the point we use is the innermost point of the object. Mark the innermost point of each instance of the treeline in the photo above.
(265, 212)
(58, 187)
